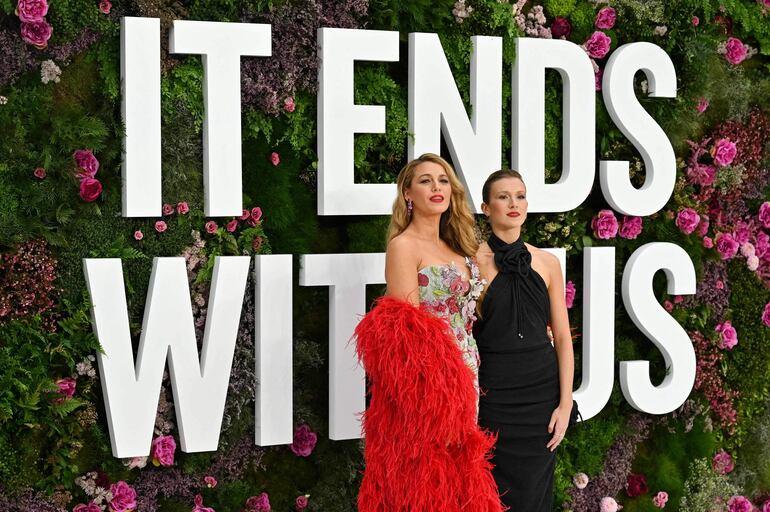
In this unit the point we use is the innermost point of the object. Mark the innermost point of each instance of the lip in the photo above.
(513, 214)
(437, 198)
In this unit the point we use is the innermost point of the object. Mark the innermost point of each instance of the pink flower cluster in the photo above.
(605, 225)
(35, 30)
(708, 380)
(87, 167)
(722, 462)
(27, 283)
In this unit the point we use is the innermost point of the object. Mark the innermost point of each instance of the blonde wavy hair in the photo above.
(456, 225)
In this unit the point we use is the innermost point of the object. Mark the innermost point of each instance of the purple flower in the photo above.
(727, 246)
(630, 227)
(729, 336)
(687, 220)
(31, 10)
(598, 45)
(560, 27)
(605, 18)
(724, 152)
(304, 441)
(605, 225)
(36, 33)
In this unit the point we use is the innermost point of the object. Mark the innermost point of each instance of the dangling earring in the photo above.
(409, 206)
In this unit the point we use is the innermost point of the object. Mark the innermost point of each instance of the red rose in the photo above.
(90, 188)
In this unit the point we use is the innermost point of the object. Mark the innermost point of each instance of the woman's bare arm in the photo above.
(401, 264)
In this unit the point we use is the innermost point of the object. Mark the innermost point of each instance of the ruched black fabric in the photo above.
(518, 378)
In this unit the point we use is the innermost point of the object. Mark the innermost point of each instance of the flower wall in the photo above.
(60, 183)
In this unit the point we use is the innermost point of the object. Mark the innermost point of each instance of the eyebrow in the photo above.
(428, 175)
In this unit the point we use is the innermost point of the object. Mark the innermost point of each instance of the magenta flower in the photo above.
(703, 104)
(668, 305)
(105, 6)
(764, 214)
(703, 226)
(605, 18)
(66, 387)
(304, 441)
(687, 220)
(729, 336)
(39, 173)
(255, 216)
(90, 507)
(160, 226)
(598, 45)
(86, 162)
(211, 227)
(301, 502)
(163, 448)
(288, 104)
(708, 243)
(766, 315)
(735, 51)
(569, 293)
(724, 152)
(168, 209)
(232, 225)
(90, 189)
(598, 76)
(739, 504)
(695, 21)
(210, 481)
(199, 505)
(182, 208)
(560, 27)
(722, 462)
(275, 158)
(245, 214)
(630, 227)
(727, 246)
(259, 503)
(138, 235)
(701, 174)
(660, 499)
(605, 225)
(123, 497)
(31, 10)
(36, 33)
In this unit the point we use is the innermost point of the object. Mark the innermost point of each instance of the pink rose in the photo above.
(31, 10)
(695, 21)
(739, 504)
(605, 18)
(458, 286)
(39, 173)
(163, 448)
(598, 45)
(569, 294)
(199, 505)
(105, 6)
(211, 227)
(727, 246)
(210, 481)
(66, 387)
(608, 504)
(36, 33)
(288, 105)
(580, 480)
(256, 214)
(660, 499)
(724, 152)
(605, 225)
(160, 226)
(182, 208)
(91, 507)
(766, 315)
(123, 497)
(560, 27)
(168, 209)
(708, 243)
(687, 220)
(245, 215)
(304, 441)
(703, 226)
(275, 158)
(729, 337)
(90, 188)
(301, 502)
(702, 174)
(138, 235)
(764, 214)
(703, 104)
(86, 162)
(766, 504)
(762, 244)
(630, 227)
(232, 225)
(735, 51)
(668, 305)
(259, 503)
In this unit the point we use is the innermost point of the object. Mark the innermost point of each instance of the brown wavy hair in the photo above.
(456, 224)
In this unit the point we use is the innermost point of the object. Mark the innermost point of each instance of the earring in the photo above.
(409, 206)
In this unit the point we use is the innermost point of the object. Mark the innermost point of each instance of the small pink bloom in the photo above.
(598, 45)
(605, 224)
(301, 502)
(764, 214)
(703, 104)
(275, 158)
(702, 174)
(182, 208)
(678, 299)
(605, 18)
(660, 499)
(580, 480)
(766, 315)
(608, 504)
(687, 220)
(163, 448)
(137, 462)
(245, 215)
(727, 246)
(168, 209)
(720, 284)
(752, 262)
(288, 104)
(199, 505)
(232, 225)
(703, 225)
(86, 162)
(90, 507)
(256, 214)
(138, 235)
(747, 249)
(569, 294)
(695, 21)
(105, 6)
(631, 227)
(210, 481)
(160, 226)
(668, 305)
(211, 227)
(708, 243)
(39, 173)
(31, 10)
(739, 504)
(304, 441)
(259, 503)
(66, 387)
(123, 497)
(735, 51)
(724, 152)
(729, 336)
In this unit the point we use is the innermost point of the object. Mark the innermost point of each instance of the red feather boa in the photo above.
(424, 449)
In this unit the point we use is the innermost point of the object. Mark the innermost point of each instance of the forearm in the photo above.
(566, 357)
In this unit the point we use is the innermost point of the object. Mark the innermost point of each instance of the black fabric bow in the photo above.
(513, 259)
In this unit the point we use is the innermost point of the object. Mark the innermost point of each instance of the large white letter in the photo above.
(347, 276)
(665, 332)
(200, 387)
(640, 128)
(339, 118)
(273, 340)
(221, 46)
(435, 106)
(140, 88)
(533, 56)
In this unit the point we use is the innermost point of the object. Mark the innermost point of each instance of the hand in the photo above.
(549, 332)
(558, 426)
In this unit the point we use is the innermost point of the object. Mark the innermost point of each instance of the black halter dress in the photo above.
(518, 378)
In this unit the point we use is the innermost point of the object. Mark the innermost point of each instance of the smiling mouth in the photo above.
(437, 199)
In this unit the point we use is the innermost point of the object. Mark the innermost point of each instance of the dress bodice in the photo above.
(446, 292)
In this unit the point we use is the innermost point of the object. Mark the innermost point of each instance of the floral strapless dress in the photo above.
(447, 294)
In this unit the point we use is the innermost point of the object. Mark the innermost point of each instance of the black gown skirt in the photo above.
(519, 385)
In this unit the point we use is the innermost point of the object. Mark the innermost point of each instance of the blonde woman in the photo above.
(424, 449)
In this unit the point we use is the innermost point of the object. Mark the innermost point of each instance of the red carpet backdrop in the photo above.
(61, 201)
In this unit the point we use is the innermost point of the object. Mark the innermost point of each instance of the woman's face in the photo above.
(430, 190)
(507, 206)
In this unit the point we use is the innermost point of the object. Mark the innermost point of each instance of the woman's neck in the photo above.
(427, 228)
(509, 235)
